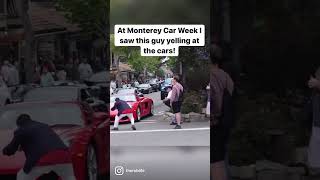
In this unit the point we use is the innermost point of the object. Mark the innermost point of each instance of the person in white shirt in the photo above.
(61, 74)
(5, 71)
(46, 78)
(85, 70)
(136, 83)
(13, 77)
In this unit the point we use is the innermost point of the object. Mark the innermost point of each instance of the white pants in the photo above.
(65, 171)
(117, 119)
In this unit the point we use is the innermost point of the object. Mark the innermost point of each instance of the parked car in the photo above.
(145, 88)
(130, 91)
(164, 86)
(85, 132)
(101, 77)
(141, 106)
(155, 84)
(64, 93)
(5, 95)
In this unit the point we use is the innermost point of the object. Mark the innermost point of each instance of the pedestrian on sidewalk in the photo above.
(85, 70)
(5, 71)
(314, 145)
(176, 99)
(124, 110)
(46, 78)
(13, 79)
(221, 87)
(61, 73)
(37, 141)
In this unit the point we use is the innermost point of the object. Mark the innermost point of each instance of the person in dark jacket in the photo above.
(124, 110)
(36, 140)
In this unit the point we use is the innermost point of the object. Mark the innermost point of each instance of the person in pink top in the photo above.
(176, 99)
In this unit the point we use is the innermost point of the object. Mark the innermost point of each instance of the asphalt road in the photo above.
(157, 151)
(158, 163)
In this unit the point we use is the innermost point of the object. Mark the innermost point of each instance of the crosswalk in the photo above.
(160, 113)
(149, 121)
(162, 130)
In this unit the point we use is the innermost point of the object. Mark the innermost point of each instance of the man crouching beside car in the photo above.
(38, 141)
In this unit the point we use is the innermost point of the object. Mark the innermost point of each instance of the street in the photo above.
(158, 163)
(157, 151)
(156, 131)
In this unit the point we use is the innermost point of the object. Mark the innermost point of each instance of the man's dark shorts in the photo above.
(176, 107)
(219, 141)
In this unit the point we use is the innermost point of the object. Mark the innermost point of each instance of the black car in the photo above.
(145, 88)
(164, 87)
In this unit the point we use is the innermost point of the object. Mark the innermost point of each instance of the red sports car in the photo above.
(85, 132)
(141, 106)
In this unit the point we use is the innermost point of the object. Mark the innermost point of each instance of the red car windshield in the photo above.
(51, 114)
(127, 98)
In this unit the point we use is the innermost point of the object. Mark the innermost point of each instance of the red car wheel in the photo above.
(138, 114)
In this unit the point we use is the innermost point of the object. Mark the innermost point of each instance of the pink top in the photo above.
(219, 80)
(176, 89)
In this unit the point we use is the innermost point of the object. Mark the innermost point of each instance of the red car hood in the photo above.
(115, 112)
(12, 164)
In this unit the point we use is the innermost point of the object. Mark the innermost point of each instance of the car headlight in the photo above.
(67, 142)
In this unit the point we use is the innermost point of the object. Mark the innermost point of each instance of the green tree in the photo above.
(160, 12)
(143, 64)
(124, 51)
(91, 15)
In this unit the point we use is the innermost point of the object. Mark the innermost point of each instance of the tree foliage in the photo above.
(141, 63)
(91, 15)
(279, 53)
(160, 12)
(133, 56)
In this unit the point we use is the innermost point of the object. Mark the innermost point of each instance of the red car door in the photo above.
(145, 106)
(99, 124)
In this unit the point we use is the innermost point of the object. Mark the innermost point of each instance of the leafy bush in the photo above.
(192, 102)
(251, 140)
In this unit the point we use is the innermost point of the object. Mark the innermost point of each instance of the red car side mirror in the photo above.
(100, 116)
